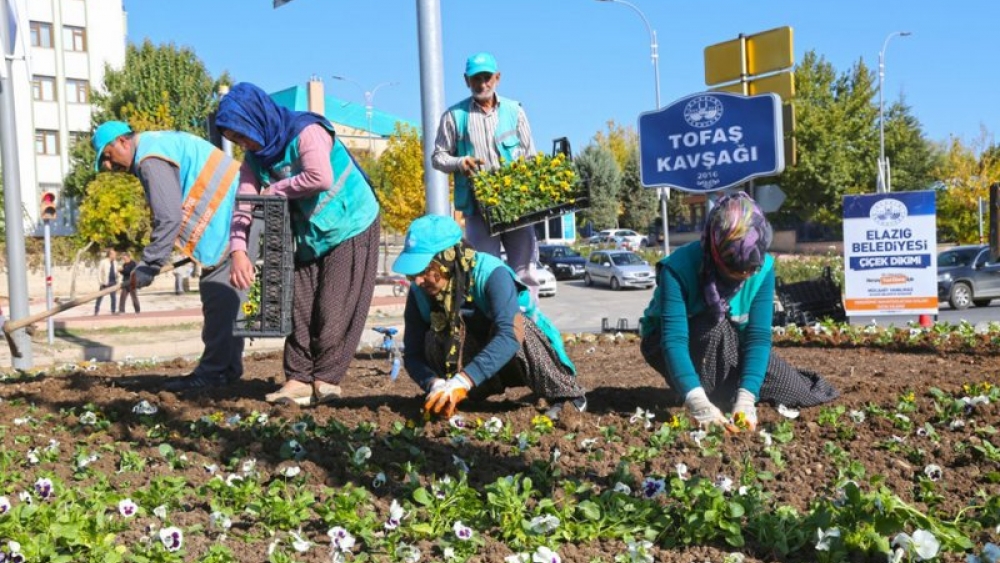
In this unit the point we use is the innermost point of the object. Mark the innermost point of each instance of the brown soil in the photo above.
(618, 380)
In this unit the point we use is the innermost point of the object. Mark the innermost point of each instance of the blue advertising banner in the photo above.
(711, 141)
(890, 254)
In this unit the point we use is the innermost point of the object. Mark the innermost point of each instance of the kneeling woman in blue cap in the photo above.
(472, 329)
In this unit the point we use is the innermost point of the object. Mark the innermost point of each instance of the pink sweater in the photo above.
(316, 175)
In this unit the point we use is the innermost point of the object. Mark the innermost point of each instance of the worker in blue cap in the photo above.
(190, 186)
(485, 132)
(471, 328)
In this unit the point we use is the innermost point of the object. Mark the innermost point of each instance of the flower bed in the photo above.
(529, 191)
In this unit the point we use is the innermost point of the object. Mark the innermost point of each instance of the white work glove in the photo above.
(701, 409)
(445, 400)
(745, 404)
(437, 384)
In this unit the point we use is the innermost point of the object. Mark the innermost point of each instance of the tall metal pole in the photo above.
(50, 326)
(654, 51)
(883, 168)
(17, 278)
(432, 100)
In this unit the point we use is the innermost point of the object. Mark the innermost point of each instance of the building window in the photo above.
(43, 88)
(74, 38)
(46, 142)
(77, 91)
(41, 35)
(77, 136)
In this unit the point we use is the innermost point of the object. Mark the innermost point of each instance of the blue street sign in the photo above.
(711, 141)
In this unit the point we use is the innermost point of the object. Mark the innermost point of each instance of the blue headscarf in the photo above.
(249, 111)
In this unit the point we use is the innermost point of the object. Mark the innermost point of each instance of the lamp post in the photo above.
(369, 107)
(654, 53)
(883, 168)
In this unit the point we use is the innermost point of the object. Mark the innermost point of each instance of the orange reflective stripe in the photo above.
(198, 189)
(220, 194)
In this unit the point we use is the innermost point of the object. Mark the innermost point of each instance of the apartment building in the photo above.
(68, 42)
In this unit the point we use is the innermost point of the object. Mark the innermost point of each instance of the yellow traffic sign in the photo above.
(764, 52)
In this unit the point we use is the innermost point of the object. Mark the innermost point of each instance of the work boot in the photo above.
(195, 381)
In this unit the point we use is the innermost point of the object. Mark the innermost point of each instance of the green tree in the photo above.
(640, 205)
(912, 158)
(401, 189)
(621, 140)
(113, 212)
(967, 172)
(597, 164)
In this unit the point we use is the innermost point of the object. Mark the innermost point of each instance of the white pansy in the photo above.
(766, 437)
(494, 425)
(88, 418)
(233, 479)
(956, 424)
(639, 551)
(340, 540)
(4, 505)
(219, 520)
(408, 553)
(933, 472)
(462, 531)
(622, 488)
(457, 421)
(299, 543)
(361, 455)
(857, 416)
(642, 416)
(160, 512)
(127, 508)
(145, 408)
(545, 555)
(172, 538)
(543, 524)
(788, 412)
(682, 471)
(291, 471)
(300, 427)
(396, 516)
(588, 444)
(517, 558)
(723, 483)
(379, 480)
(248, 466)
(823, 538)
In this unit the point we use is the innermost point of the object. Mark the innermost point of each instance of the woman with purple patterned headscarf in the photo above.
(707, 328)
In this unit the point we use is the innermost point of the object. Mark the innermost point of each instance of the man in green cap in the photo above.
(191, 187)
(471, 328)
(486, 131)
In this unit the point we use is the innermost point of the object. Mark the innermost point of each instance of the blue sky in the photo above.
(576, 64)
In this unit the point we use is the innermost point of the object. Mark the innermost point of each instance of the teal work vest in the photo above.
(685, 263)
(322, 221)
(209, 181)
(481, 271)
(507, 144)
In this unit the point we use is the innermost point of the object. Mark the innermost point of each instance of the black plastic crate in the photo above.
(806, 301)
(275, 264)
(496, 227)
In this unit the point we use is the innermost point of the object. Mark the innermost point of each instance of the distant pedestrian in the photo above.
(107, 276)
(190, 186)
(485, 132)
(128, 264)
(334, 215)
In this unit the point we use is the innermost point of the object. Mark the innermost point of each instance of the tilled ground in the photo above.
(618, 381)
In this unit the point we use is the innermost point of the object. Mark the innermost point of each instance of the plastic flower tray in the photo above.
(581, 201)
(275, 264)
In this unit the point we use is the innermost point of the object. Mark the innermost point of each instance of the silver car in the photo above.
(618, 269)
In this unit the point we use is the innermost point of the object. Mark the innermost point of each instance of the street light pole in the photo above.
(883, 168)
(369, 107)
(654, 52)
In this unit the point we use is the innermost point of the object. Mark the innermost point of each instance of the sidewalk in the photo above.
(169, 326)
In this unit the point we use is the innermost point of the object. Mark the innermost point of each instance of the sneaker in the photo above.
(195, 381)
(232, 378)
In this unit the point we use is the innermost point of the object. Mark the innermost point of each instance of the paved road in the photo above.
(578, 308)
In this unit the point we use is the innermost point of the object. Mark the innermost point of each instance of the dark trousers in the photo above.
(114, 301)
(126, 292)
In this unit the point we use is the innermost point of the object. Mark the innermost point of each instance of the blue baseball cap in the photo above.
(426, 237)
(480, 62)
(104, 135)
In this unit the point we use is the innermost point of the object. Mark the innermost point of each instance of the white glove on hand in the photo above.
(437, 384)
(703, 411)
(745, 403)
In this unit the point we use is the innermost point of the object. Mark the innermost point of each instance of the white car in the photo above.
(623, 239)
(547, 286)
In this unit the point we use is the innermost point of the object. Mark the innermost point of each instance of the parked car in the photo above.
(621, 238)
(547, 286)
(564, 262)
(966, 276)
(618, 269)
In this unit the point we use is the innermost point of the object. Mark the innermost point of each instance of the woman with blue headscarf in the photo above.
(334, 217)
(707, 328)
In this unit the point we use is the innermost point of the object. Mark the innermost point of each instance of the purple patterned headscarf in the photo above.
(735, 243)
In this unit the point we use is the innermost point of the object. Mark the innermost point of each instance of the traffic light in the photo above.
(48, 206)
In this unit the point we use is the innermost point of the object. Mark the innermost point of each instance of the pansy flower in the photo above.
(44, 489)
(462, 531)
(127, 508)
(396, 516)
(340, 540)
(172, 538)
(652, 488)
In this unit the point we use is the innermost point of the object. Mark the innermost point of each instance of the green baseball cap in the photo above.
(426, 237)
(107, 132)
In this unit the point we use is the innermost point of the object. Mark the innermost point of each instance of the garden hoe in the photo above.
(10, 326)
